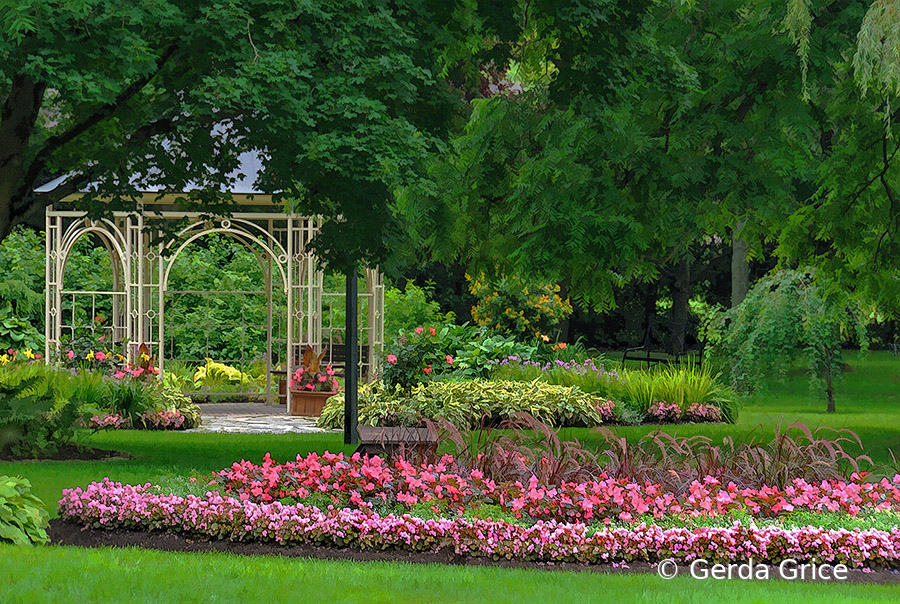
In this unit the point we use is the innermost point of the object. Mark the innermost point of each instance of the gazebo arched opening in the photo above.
(89, 301)
(223, 302)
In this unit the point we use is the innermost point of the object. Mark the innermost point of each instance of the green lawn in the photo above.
(868, 402)
(50, 574)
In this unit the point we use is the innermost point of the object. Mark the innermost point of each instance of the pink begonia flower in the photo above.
(70, 355)
(392, 358)
(432, 331)
(100, 356)
(322, 378)
(449, 360)
(329, 370)
(119, 375)
(334, 382)
(310, 386)
(137, 372)
(419, 330)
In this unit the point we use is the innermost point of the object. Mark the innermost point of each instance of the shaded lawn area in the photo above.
(69, 574)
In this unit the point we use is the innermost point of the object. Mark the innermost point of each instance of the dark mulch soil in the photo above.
(68, 533)
(72, 453)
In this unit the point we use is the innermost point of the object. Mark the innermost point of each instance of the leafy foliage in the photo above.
(353, 81)
(34, 420)
(23, 517)
(785, 316)
(411, 307)
(468, 403)
(212, 374)
(512, 306)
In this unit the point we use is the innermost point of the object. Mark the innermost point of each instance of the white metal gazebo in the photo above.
(143, 252)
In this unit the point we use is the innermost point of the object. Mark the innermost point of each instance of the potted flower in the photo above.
(311, 386)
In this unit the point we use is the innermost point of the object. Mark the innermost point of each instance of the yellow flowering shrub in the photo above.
(513, 306)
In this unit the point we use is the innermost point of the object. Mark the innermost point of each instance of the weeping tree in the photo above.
(786, 316)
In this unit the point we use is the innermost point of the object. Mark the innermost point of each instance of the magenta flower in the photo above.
(391, 358)
(70, 355)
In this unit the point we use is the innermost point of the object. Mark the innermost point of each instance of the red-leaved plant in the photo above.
(310, 376)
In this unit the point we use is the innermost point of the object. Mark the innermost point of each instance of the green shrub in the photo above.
(406, 309)
(131, 398)
(170, 397)
(23, 517)
(468, 404)
(633, 390)
(35, 420)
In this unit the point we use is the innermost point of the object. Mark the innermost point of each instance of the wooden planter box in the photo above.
(308, 404)
(390, 440)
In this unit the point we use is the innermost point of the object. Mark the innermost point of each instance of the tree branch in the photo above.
(39, 164)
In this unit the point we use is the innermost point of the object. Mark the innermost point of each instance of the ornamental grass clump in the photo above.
(795, 452)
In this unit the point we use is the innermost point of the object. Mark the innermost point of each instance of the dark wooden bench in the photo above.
(337, 358)
(646, 354)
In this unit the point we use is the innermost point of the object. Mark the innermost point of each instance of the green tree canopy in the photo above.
(339, 98)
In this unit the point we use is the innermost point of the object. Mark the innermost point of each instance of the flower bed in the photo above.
(113, 505)
(166, 419)
(356, 480)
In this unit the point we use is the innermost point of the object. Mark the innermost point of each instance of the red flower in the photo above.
(427, 369)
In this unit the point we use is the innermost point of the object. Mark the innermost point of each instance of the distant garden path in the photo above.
(253, 418)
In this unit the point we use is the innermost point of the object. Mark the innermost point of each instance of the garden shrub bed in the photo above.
(477, 402)
(112, 506)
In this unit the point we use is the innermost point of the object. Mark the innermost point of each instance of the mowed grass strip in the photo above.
(69, 574)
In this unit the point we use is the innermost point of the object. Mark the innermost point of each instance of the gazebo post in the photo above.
(352, 371)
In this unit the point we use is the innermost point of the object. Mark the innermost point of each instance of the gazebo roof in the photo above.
(245, 176)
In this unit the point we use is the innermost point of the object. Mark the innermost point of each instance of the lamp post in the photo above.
(352, 370)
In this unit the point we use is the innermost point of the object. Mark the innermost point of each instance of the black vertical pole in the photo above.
(352, 370)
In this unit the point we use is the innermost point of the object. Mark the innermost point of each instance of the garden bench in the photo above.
(645, 352)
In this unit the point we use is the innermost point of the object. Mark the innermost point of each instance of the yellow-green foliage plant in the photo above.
(23, 518)
(469, 404)
(214, 374)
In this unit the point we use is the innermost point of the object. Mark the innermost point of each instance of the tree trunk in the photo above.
(740, 268)
(564, 325)
(829, 385)
(681, 293)
(17, 119)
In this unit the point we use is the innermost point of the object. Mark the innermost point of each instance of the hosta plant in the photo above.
(23, 518)
(470, 403)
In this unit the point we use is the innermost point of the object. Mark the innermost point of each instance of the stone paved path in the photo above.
(253, 418)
